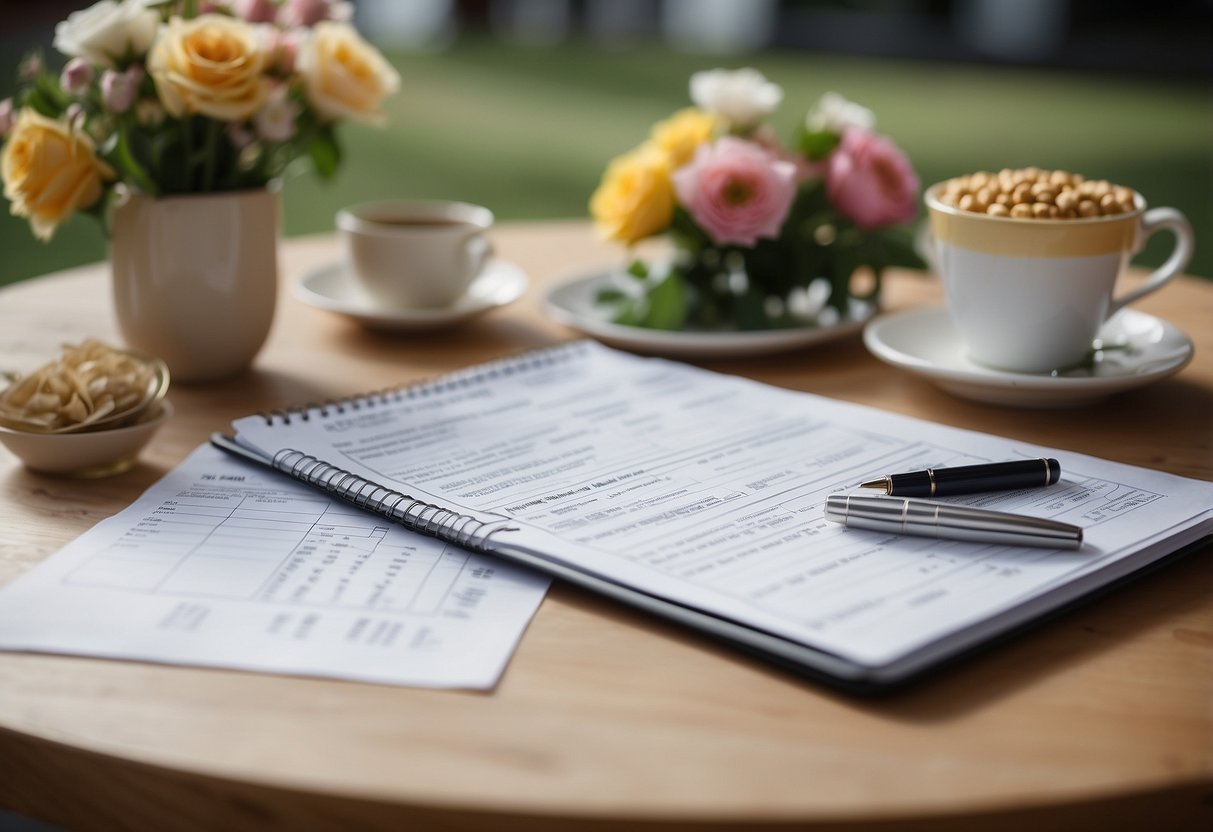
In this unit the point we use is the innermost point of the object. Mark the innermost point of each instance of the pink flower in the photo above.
(870, 181)
(76, 77)
(255, 11)
(283, 49)
(118, 89)
(310, 12)
(6, 117)
(736, 191)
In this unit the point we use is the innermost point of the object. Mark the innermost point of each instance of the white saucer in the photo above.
(572, 303)
(925, 342)
(333, 288)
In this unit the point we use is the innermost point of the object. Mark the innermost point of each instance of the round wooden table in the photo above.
(606, 719)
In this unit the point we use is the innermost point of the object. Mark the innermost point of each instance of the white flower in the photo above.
(742, 97)
(806, 304)
(275, 121)
(834, 114)
(106, 31)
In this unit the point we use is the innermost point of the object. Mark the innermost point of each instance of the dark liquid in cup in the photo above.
(417, 222)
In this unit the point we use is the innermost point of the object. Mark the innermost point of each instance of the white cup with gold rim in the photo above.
(1030, 295)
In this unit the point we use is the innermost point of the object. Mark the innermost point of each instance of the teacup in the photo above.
(415, 254)
(1030, 295)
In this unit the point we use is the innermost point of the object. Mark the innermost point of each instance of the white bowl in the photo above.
(96, 454)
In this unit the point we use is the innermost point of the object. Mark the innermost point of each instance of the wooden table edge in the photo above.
(301, 807)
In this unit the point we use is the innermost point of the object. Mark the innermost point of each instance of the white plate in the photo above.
(572, 304)
(925, 342)
(332, 287)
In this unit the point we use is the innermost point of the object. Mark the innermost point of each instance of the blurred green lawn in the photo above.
(527, 132)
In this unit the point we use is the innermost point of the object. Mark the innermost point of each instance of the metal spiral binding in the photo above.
(535, 359)
(428, 518)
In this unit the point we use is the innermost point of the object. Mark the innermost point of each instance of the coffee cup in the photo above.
(415, 254)
(1029, 295)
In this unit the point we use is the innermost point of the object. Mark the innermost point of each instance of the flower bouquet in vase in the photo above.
(172, 121)
(765, 235)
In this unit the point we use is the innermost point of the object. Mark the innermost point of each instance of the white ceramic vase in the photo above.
(196, 278)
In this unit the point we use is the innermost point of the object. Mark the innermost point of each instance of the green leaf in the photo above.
(124, 160)
(37, 101)
(638, 269)
(667, 303)
(610, 296)
(817, 145)
(324, 153)
(49, 87)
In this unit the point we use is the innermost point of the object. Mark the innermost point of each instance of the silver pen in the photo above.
(902, 515)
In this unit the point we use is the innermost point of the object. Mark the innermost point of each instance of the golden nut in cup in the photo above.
(1072, 195)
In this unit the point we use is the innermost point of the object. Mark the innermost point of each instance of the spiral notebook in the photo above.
(699, 497)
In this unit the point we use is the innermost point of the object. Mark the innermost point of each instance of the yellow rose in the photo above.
(682, 133)
(50, 171)
(345, 77)
(636, 196)
(210, 65)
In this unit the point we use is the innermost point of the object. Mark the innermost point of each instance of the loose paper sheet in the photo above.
(709, 490)
(228, 564)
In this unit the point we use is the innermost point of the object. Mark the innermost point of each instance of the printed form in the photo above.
(227, 564)
(709, 490)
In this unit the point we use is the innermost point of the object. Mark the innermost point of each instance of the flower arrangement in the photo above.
(765, 236)
(179, 96)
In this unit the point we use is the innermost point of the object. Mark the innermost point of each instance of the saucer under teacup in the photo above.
(1138, 349)
(335, 289)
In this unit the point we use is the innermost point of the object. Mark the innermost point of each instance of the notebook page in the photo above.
(709, 490)
(228, 564)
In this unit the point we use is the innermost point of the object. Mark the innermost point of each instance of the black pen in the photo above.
(970, 479)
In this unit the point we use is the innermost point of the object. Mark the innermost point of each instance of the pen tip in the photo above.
(881, 484)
